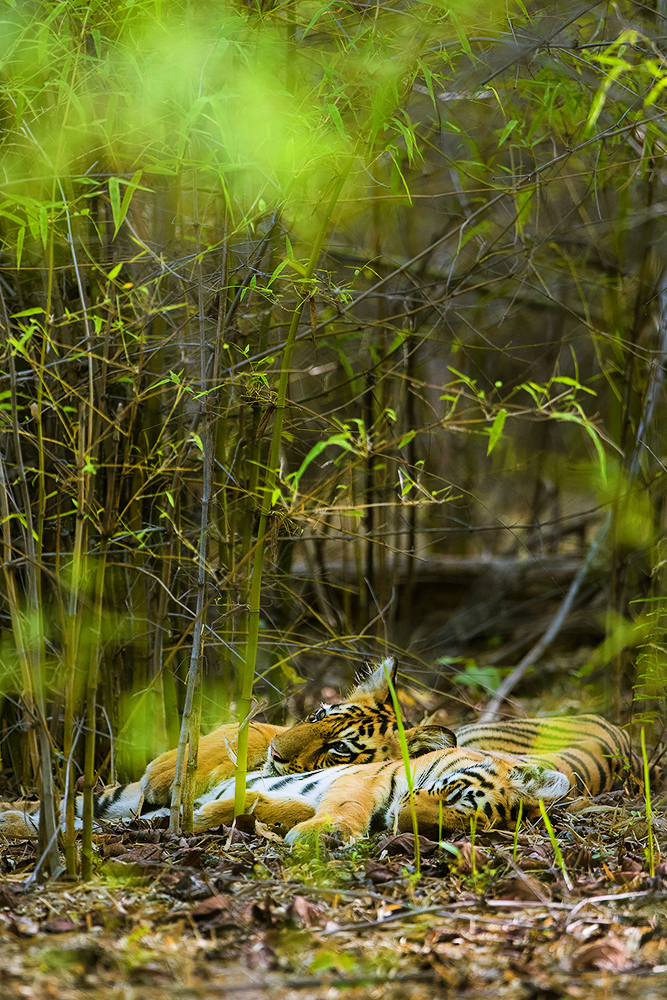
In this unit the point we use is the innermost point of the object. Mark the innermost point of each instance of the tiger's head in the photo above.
(361, 730)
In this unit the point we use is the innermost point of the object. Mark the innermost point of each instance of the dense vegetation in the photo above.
(294, 300)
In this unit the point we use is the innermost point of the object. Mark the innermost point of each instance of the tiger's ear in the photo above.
(425, 739)
(374, 689)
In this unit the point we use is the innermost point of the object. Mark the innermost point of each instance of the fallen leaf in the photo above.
(404, 843)
(303, 912)
(190, 858)
(380, 873)
(8, 897)
(578, 857)
(464, 861)
(214, 904)
(59, 925)
(522, 887)
(112, 850)
(143, 853)
(609, 953)
(630, 865)
(246, 823)
(263, 831)
(261, 911)
(25, 927)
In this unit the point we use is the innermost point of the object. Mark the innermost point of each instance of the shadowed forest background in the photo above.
(327, 332)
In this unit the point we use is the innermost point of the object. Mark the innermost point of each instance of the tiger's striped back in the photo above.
(593, 753)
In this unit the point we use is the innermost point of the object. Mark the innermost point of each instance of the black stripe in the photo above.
(605, 766)
(287, 780)
(388, 801)
(105, 800)
(309, 787)
(478, 776)
(546, 735)
(425, 776)
(576, 756)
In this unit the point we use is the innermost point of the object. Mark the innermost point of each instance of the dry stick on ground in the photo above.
(656, 379)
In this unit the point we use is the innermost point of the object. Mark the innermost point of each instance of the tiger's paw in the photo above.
(312, 830)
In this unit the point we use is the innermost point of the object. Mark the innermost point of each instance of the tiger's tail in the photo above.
(109, 806)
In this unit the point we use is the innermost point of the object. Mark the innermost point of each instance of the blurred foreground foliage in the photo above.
(451, 215)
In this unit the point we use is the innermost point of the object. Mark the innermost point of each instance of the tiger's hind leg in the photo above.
(457, 798)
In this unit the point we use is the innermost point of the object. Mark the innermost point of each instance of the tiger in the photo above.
(362, 729)
(449, 787)
(495, 771)
(493, 768)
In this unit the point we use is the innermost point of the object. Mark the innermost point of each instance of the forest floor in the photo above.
(236, 913)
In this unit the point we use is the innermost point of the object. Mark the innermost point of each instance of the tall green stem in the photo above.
(248, 668)
(91, 712)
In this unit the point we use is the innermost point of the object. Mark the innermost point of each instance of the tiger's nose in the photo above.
(275, 756)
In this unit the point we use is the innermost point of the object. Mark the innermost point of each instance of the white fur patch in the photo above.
(536, 782)
(15, 823)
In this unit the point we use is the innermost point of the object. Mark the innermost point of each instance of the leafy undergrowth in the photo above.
(237, 913)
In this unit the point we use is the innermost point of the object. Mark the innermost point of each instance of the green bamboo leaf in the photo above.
(655, 92)
(341, 440)
(622, 66)
(522, 201)
(592, 433)
(120, 208)
(290, 674)
(43, 224)
(496, 430)
(10, 215)
(428, 80)
(462, 37)
(509, 128)
(127, 197)
(114, 198)
(34, 311)
(277, 272)
(20, 236)
(336, 119)
(97, 41)
(565, 380)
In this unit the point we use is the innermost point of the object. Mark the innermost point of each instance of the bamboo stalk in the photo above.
(91, 704)
(189, 736)
(31, 652)
(271, 475)
(72, 635)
